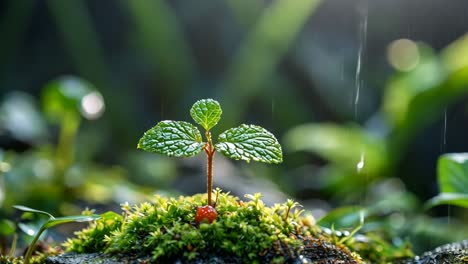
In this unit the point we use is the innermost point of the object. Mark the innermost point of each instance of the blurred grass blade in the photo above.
(264, 47)
(30, 210)
(160, 35)
(48, 224)
(70, 219)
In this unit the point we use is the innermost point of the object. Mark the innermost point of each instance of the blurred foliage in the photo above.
(258, 57)
(413, 100)
(453, 180)
(359, 159)
(56, 179)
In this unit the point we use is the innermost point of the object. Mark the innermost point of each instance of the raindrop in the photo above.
(444, 142)
(361, 217)
(272, 108)
(361, 163)
(459, 157)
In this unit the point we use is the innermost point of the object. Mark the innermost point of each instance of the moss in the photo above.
(166, 227)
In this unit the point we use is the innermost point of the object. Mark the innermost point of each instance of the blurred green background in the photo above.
(363, 95)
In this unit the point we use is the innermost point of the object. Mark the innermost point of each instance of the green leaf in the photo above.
(30, 210)
(172, 138)
(69, 219)
(250, 142)
(452, 173)
(458, 199)
(206, 113)
(418, 98)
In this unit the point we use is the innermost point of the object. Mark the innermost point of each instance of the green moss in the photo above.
(166, 228)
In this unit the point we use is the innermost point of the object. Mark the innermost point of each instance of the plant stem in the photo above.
(209, 149)
(28, 255)
(66, 146)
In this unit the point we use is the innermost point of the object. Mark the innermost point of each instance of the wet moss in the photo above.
(246, 231)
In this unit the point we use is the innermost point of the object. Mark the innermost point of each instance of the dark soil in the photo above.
(455, 253)
(314, 251)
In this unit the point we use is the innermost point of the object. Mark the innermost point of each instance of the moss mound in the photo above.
(165, 229)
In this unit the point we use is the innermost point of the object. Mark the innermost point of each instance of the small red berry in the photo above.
(206, 213)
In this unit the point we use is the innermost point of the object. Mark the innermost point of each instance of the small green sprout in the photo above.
(182, 139)
(51, 222)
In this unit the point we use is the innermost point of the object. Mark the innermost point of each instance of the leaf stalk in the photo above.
(210, 151)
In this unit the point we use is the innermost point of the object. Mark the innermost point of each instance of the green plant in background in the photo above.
(50, 166)
(7, 228)
(65, 100)
(361, 156)
(452, 172)
(51, 222)
(363, 162)
(182, 139)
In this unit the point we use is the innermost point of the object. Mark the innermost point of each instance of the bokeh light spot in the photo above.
(92, 105)
(403, 54)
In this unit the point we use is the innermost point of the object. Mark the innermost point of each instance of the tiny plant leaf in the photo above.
(30, 210)
(250, 142)
(70, 219)
(172, 138)
(206, 113)
(51, 222)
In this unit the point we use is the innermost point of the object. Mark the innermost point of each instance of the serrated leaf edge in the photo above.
(277, 160)
(198, 138)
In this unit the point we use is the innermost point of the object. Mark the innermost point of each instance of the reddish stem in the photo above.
(209, 150)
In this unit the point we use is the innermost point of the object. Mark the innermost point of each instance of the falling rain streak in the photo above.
(358, 82)
(444, 145)
(444, 134)
(362, 47)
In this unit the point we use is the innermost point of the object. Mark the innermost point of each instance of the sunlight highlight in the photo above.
(403, 54)
(92, 105)
(361, 163)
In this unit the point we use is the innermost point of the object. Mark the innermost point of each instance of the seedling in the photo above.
(51, 222)
(182, 139)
